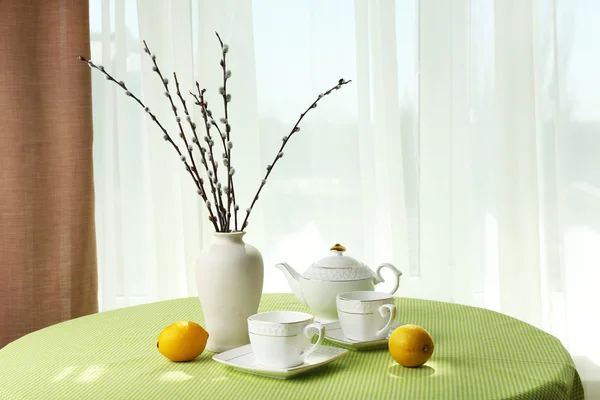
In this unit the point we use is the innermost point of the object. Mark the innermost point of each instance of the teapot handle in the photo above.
(396, 272)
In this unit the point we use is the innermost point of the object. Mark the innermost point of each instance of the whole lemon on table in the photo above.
(410, 345)
(182, 341)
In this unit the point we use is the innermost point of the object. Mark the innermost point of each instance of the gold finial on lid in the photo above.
(338, 247)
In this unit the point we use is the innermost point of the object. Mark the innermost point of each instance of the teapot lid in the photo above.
(337, 259)
(338, 267)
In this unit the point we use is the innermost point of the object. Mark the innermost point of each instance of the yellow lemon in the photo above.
(410, 345)
(182, 341)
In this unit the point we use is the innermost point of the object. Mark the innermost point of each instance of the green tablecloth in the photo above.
(479, 354)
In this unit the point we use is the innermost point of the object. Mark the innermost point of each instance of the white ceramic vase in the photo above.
(229, 278)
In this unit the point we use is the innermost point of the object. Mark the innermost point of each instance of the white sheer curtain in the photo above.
(466, 150)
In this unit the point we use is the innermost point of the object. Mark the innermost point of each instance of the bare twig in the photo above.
(285, 140)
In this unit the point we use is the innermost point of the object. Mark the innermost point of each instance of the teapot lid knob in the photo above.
(338, 247)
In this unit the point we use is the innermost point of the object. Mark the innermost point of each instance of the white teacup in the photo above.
(365, 315)
(281, 339)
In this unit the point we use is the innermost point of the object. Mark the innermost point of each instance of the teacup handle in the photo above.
(321, 330)
(391, 309)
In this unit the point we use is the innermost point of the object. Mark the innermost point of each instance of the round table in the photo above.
(479, 354)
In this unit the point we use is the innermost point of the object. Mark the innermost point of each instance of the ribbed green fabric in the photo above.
(479, 354)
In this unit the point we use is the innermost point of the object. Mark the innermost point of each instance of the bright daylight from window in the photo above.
(304, 198)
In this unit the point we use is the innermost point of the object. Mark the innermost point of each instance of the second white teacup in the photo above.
(282, 339)
(365, 315)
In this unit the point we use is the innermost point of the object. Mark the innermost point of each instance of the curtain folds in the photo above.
(463, 151)
(47, 234)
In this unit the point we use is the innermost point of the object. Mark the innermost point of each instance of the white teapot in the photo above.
(330, 276)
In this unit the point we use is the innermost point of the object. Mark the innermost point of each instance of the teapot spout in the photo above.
(293, 279)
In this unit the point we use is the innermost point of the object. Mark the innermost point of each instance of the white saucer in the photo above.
(333, 332)
(242, 359)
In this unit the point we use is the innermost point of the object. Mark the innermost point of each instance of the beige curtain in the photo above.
(47, 236)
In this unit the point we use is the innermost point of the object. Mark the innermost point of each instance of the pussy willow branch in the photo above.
(167, 137)
(212, 121)
(165, 84)
(226, 100)
(213, 176)
(200, 147)
(205, 112)
(286, 139)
